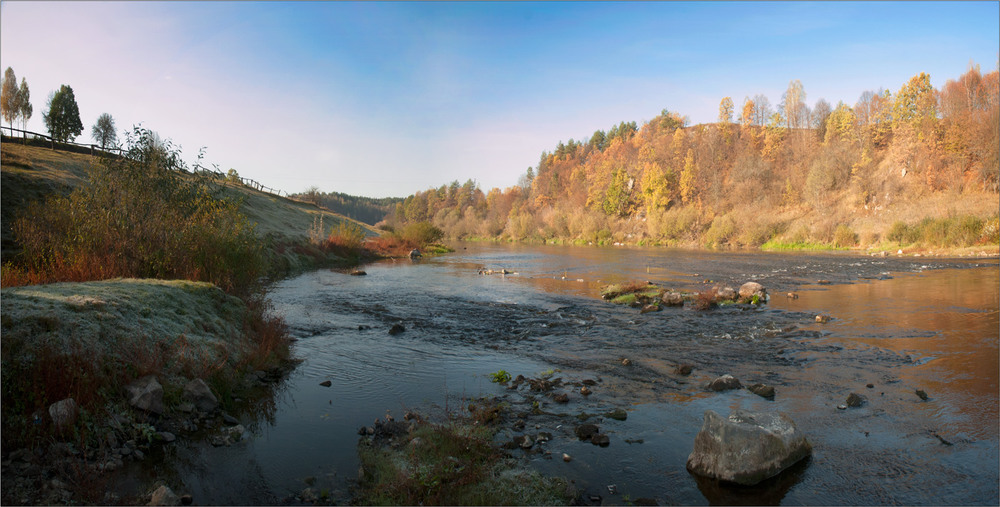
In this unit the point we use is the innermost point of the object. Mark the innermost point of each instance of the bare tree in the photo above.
(103, 131)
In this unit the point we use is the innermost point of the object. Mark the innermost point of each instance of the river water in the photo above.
(898, 324)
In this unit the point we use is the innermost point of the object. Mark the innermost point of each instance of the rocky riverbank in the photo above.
(98, 375)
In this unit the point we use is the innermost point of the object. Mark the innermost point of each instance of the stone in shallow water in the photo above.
(747, 447)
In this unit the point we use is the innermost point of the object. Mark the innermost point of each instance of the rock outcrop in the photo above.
(747, 447)
(198, 393)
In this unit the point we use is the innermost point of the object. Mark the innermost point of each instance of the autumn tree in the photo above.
(63, 115)
(9, 100)
(25, 109)
(103, 132)
(761, 110)
(726, 110)
(821, 111)
(793, 104)
(746, 114)
(840, 126)
(688, 178)
(915, 106)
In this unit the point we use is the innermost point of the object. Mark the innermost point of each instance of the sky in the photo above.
(384, 99)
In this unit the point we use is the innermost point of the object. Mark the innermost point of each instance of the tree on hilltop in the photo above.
(24, 108)
(9, 97)
(103, 131)
(63, 116)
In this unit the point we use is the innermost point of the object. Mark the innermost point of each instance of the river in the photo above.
(898, 324)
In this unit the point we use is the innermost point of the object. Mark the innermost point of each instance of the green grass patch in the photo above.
(778, 245)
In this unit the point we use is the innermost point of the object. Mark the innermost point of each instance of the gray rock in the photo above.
(146, 394)
(63, 413)
(617, 414)
(649, 309)
(600, 439)
(726, 293)
(230, 420)
(920, 394)
(747, 447)
(166, 436)
(751, 289)
(672, 299)
(684, 369)
(164, 496)
(762, 390)
(396, 329)
(198, 392)
(725, 383)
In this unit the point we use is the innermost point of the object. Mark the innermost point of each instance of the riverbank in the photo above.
(75, 353)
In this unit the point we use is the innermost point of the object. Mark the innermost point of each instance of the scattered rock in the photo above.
(617, 414)
(567, 458)
(146, 394)
(586, 431)
(870, 386)
(725, 383)
(672, 299)
(823, 282)
(164, 496)
(561, 398)
(626, 362)
(63, 413)
(396, 329)
(855, 400)
(198, 392)
(921, 394)
(600, 439)
(762, 390)
(747, 447)
(792, 295)
(684, 369)
(585, 391)
(726, 293)
(649, 309)
(229, 420)
(750, 290)
(326, 383)
(524, 441)
(358, 272)
(822, 319)
(841, 407)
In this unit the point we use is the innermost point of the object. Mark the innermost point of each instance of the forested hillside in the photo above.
(918, 166)
(369, 210)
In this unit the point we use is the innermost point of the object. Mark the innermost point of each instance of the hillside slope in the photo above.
(29, 173)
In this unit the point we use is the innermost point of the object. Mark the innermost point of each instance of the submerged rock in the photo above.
(684, 369)
(855, 400)
(762, 390)
(600, 439)
(725, 383)
(586, 431)
(396, 329)
(747, 447)
(922, 394)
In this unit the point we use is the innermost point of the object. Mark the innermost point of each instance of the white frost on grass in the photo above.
(186, 327)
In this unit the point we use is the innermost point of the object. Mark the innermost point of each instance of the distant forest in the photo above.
(363, 209)
(844, 175)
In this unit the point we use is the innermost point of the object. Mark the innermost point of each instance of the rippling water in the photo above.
(898, 324)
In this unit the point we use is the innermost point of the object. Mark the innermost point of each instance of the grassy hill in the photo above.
(29, 173)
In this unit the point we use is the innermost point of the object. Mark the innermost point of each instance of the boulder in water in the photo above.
(747, 447)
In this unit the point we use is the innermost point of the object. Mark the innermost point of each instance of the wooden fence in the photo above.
(42, 140)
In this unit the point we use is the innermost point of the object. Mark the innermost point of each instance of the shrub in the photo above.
(421, 233)
(901, 233)
(140, 216)
(347, 235)
(723, 228)
(844, 236)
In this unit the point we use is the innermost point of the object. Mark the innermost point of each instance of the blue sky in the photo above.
(385, 99)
